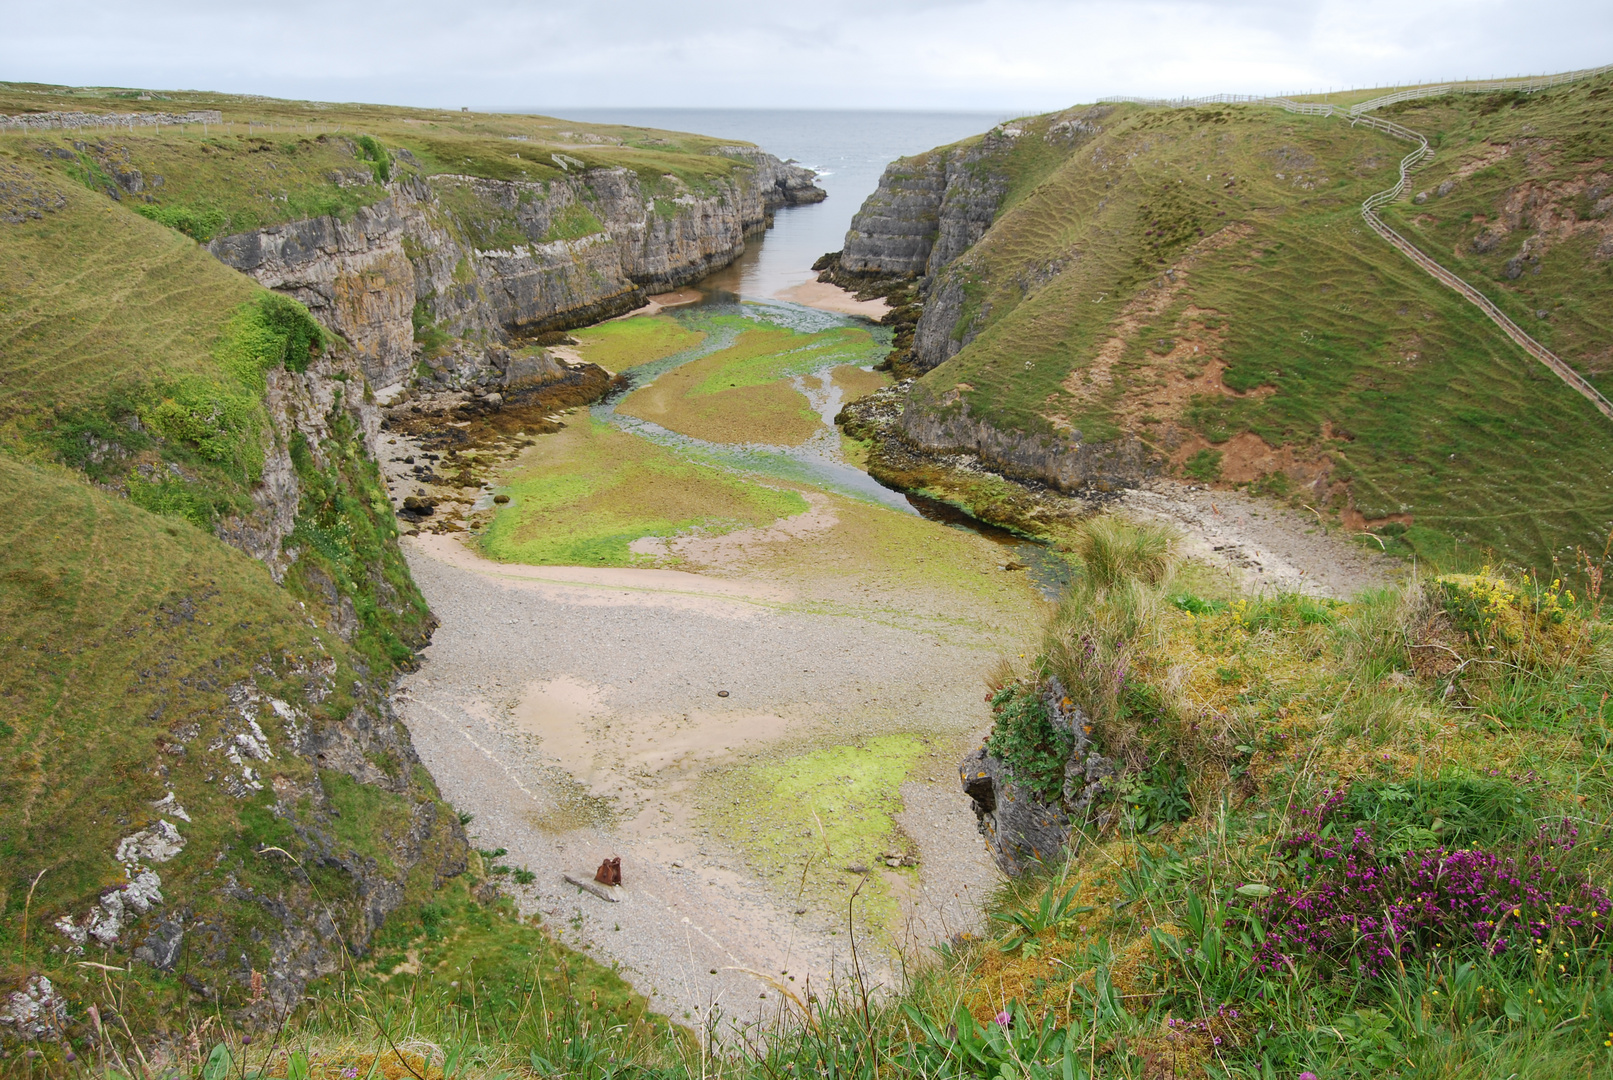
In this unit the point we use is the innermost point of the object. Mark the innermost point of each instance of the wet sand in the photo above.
(576, 713)
(826, 297)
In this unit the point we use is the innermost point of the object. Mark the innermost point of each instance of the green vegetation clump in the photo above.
(373, 152)
(432, 338)
(200, 223)
(573, 223)
(345, 538)
(1024, 737)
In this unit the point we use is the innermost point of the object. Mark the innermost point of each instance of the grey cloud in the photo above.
(993, 54)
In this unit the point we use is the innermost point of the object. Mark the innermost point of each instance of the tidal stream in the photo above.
(764, 728)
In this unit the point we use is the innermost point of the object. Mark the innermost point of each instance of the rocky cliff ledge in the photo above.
(492, 259)
(930, 209)
(927, 210)
(1063, 460)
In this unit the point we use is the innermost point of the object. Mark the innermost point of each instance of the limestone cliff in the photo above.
(924, 220)
(927, 210)
(930, 209)
(493, 258)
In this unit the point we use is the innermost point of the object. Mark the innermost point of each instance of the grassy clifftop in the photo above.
(1199, 279)
(272, 161)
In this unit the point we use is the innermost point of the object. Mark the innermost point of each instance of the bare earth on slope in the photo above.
(576, 713)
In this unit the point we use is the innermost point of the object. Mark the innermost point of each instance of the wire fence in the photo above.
(1360, 115)
(1490, 86)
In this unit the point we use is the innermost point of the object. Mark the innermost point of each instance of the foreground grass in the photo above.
(1273, 751)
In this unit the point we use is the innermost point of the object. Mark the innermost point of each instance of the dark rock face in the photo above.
(933, 340)
(495, 257)
(1060, 460)
(1022, 830)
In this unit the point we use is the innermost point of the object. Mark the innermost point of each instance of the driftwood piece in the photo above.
(604, 892)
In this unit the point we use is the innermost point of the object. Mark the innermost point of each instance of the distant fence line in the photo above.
(1421, 155)
(1527, 84)
(48, 121)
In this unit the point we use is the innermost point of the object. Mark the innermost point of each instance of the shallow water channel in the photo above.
(821, 460)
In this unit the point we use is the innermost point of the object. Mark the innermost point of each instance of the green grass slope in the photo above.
(131, 354)
(167, 708)
(1200, 279)
(144, 658)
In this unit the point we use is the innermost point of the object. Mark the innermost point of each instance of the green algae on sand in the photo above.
(623, 344)
(812, 823)
(743, 393)
(581, 498)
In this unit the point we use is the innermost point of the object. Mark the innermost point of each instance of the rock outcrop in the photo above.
(1021, 828)
(927, 210)
(1059, 459)
(317, 409)
(495, 258)
(931, 209)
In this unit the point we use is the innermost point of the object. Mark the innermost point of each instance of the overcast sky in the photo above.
(973, 54)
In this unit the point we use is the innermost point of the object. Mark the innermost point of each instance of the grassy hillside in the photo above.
(1346, 839)
(273, 161)
(131, 354)
(1199, 278)
(205, 802)
(145, 659)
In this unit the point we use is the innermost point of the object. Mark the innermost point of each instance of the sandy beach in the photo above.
(827, 297)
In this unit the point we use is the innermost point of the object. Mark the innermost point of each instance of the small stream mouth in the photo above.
(1049, 571)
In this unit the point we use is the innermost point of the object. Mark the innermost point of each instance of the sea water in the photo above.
(847, 148)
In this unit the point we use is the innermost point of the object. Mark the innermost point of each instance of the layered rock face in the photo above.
(493, 257)
(1061, 460)
(927, 211)
(924, 220)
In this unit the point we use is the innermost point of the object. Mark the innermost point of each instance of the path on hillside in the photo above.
(1362, 114)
